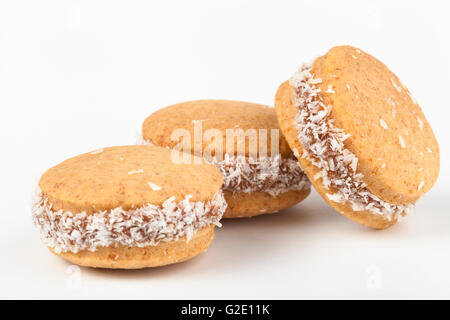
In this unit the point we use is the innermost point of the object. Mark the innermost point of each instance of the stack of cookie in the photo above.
(344, 122)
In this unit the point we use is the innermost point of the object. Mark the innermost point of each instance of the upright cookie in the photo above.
(128, 207)
(243, 140)
(361, 137)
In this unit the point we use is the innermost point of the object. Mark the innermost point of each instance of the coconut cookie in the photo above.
(243, 140)
(128, 207)
(360, 136)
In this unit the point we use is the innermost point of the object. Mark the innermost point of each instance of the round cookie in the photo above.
(359, 135)
(128, 207)
(243, 140)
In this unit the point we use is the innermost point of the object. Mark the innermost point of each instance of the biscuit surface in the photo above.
(127, 177)
(213, 114)
(244, 205)
(136, 258)
(397, 151)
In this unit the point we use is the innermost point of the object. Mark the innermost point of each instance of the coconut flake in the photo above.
(401, 141)
(330, 89)
(396, 86)
(421, 185)
(412, 98)
(154, 186)
(389, 101)
(420, 123)
(136, 171)
(337, 197)
(383, 124)
(97, 151)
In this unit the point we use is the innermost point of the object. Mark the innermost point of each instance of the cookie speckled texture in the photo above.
(223, 115)
(137, 258)
(246, 205)
(213, 114)
(394, 143)
(120, 176)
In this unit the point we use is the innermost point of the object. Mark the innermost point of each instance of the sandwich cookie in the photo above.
(128, 207)
(243, 140)
(359, 135)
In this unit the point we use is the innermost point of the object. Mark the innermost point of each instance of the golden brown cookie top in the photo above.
(128, 177)
(394, 143)
(222, 115)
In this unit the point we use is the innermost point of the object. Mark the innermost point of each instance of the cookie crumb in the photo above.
(383, 124)
(402, 142)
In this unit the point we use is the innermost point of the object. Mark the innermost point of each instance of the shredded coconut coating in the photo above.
(273, 175)
(324, 147)
(141, 227)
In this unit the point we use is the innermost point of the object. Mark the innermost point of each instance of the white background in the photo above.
(79, 75)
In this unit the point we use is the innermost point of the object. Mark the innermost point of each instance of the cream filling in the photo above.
(323, 145)
(273, 175)
(142, 227)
